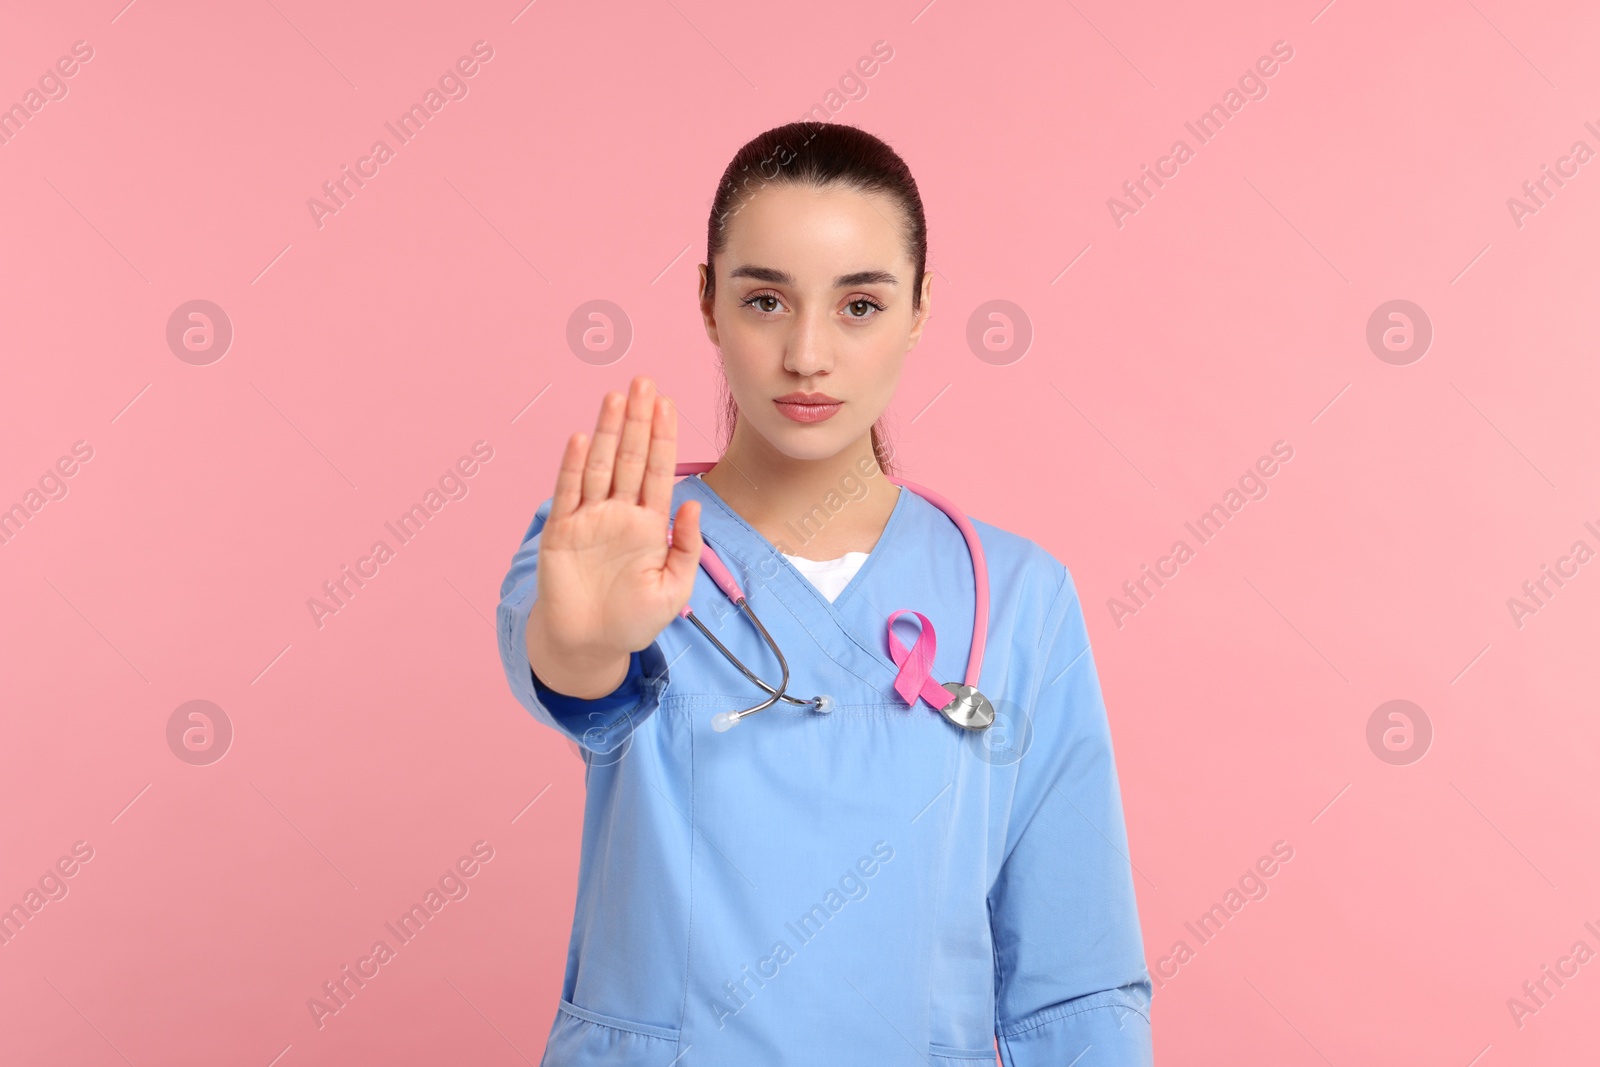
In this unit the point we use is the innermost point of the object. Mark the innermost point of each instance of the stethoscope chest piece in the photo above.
(970, 709)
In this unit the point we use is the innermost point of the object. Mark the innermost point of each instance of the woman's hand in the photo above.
(608, 581)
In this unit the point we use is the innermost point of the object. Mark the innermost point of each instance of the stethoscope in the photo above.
(958, 702)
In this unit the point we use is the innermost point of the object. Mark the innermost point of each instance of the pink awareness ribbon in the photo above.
(916, 665)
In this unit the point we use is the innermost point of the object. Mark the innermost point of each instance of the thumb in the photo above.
(683, 556)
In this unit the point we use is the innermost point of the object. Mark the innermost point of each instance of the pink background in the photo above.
(1228, 313)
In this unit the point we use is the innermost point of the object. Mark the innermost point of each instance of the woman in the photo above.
(856, 880)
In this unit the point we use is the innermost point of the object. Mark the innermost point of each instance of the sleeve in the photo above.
(1072, 986)
(626, 691)
(601, 726)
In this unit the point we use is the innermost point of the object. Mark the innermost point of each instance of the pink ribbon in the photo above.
(916, 665)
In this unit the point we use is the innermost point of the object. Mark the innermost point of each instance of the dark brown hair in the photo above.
(818, 153)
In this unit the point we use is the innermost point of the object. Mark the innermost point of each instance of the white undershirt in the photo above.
(830, 576)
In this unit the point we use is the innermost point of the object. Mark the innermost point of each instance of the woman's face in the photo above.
(813, 296)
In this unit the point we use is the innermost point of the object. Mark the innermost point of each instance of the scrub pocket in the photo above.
(945, 1056)
(583, 1038)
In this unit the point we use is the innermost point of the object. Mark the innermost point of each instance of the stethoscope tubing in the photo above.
(980, 574)
(724, 580)
(780, 693)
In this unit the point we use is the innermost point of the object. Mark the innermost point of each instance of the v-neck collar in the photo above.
(885, 543)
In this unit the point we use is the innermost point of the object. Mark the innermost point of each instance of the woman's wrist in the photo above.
(586, 673)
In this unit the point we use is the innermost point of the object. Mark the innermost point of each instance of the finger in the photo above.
(661, 467)
(602, 449)
(683, 558)
(634, 447)
(568, 479)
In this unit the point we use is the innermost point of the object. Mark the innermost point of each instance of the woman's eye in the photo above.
(860, 308)
(760, 302)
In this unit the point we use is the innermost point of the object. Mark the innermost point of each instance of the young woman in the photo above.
(868, 870)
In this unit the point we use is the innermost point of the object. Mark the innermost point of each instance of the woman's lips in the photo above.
(802, 411)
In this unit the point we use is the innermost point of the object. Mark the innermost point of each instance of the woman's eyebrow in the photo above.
(843, 281)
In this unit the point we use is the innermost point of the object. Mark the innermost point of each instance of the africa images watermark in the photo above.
(1538, 192)
(1251, 885)
(1537, 993)
(51, 86)
(1252, 485)
(452, 85)
(52, 885)
(851, 490)
(1537, 592)
(338, 992)
(452, 485)
(1252, 85)
(851, 87)
(852, 886)
(808, 524)
(52, 485)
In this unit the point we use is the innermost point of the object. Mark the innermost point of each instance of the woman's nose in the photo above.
(809, 349)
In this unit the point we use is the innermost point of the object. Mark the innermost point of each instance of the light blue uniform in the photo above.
(871, 886)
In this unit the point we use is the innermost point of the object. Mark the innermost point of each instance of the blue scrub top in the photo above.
(873, 885)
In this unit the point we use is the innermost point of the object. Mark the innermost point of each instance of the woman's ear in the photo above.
(705, 308)
(923, 312)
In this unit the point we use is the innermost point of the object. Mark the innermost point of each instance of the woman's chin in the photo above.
(814, 442)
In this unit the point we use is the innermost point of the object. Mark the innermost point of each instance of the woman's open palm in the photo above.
(608, 581)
